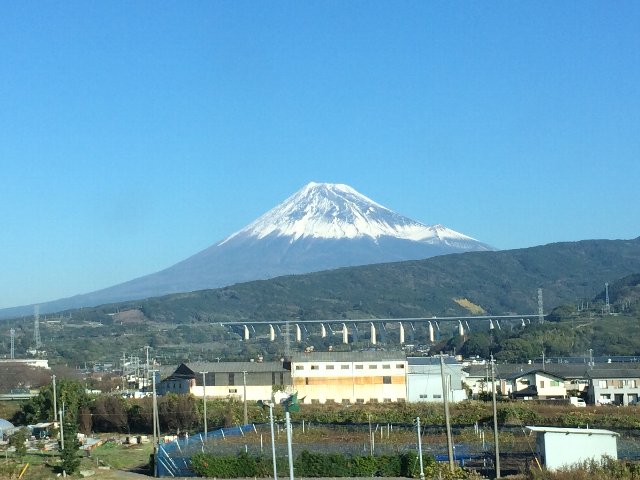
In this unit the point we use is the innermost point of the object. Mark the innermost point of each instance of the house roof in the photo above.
(366, 356)
(578, 431)
(566, 371)
(431, 360)
(614, 373)
(538, 371)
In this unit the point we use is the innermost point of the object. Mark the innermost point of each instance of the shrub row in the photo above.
(309, 464)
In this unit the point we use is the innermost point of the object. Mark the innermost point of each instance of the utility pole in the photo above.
(495, 419)
(146, 377)
(273, 442)
(289, 449)
(155, 425)
(64, 472)
(55, 396)
(447, 419)
(244, 395)
(204, 401)
(420, 448)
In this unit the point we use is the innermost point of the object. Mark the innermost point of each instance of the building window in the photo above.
(233, 390)
(346, 401)
(602, 383)
(359, 367)
(373, 400)
(315, 401)
(232, 379)
(386, 380)
(359, 400)
(373, 367)
(424, 395)
(387, 400)
(555, 383)
(329, 367)
(299, 367)
(400, 365)
(306, 380)
(437, 395)
(315, 367)
(344, 367)
(541, 383)
(386, 366)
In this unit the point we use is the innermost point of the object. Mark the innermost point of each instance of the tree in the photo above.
(18, 440)
(69, 454)
(109, 414)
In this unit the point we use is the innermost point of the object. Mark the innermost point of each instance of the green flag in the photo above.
(291, 403)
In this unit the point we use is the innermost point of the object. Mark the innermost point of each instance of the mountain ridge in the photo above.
(322, 226)
(502, 282)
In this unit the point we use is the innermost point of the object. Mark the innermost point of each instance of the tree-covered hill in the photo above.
(185, 325)
(497, 282)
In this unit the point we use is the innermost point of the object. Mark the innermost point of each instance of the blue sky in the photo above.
(134, 134)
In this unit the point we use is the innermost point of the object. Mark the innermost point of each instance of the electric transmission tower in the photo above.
(36, 327)
(607, 306)
(13, 343)
(540, 307)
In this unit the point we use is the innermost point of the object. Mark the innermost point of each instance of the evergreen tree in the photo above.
(69, 454)
(18, 440)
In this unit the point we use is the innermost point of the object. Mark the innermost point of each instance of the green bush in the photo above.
(309, 464)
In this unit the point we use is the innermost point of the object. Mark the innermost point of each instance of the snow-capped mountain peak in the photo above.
(337, 211)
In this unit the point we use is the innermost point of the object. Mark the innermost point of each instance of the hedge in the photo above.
(309, 464)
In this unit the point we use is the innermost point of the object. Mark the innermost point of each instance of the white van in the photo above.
(577, 402)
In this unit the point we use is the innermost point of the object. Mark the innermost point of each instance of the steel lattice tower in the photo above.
(13, 344)
(540, 307)
(36, 327)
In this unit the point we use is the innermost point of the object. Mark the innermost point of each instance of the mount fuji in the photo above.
(321, 227)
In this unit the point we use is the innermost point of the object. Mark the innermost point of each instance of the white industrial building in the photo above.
(424, 379)
(349, 377)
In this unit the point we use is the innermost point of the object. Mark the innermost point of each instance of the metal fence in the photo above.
(173, 459)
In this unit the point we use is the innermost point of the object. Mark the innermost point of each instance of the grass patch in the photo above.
(122, 457)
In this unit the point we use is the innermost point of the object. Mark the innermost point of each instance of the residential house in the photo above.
(478, 379)
(535, 383)
(260, 380)
(616, 386)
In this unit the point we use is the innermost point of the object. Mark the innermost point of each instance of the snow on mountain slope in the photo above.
(337, 211)
(321, 227)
